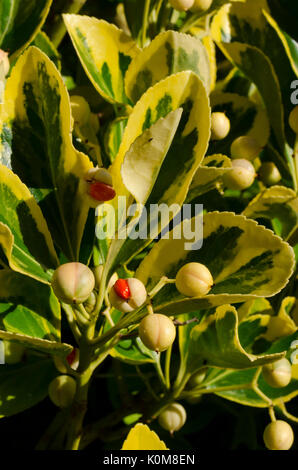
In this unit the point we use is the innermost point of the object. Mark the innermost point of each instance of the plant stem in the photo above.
(145, 22)
(271, 413)
(295, 158)
(288, 415)
(167, 367)
(59, 29)
(147, 383)
(72, 324)
(160, 372)
(292, 160)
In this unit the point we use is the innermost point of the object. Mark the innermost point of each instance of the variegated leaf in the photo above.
(281, 325)
(245, 259)
(105, 52)
(28, 307)
(43, 42)
(143, 161)
(216, 341)
(140, 437)
(113, 137)
(36, 144)
(169, 52)
(246, 118)
(20, 22)
(278, 204)
(182, 90)
(44, 345)
(248, 395)
(26, 244)
(209, 175)
(250, 23)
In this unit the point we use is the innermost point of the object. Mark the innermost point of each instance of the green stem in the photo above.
(147, 383)
(288, 415)
(202, 391)
(168, 367)
(160, 372)
(145, 22)
(292, 160)
(295, 162)
(161, 283)
(192, 21)
(59, 29)
(71, 321)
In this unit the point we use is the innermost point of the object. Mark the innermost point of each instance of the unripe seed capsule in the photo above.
(194, 400)
(73, 283)
(241, 176)
(194, 280)
(246, 147)
(269, 173)
(90, 302)
(293, 120)
(128, 294)
(220, 126)
(157, 332)
(181, 5)
(62, 390)
(201, 5)
(13, 352)
(197, 378)
(4, 62)
(278, 373)
(278, 435)
(172, 418)
(94, 121)
(80, 110)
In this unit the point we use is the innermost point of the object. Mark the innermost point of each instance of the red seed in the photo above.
(121, 288)
(71, 357)
(101, 191)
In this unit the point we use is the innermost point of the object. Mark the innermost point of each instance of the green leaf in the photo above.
(134, 11)
(42, 41)
(105, 53)
(26, 244)
(278, 204)
(216, 340)
(241, 270)
(28, 307)
(169, 52)
(20, 22)
(37, 128)
(24, 385)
